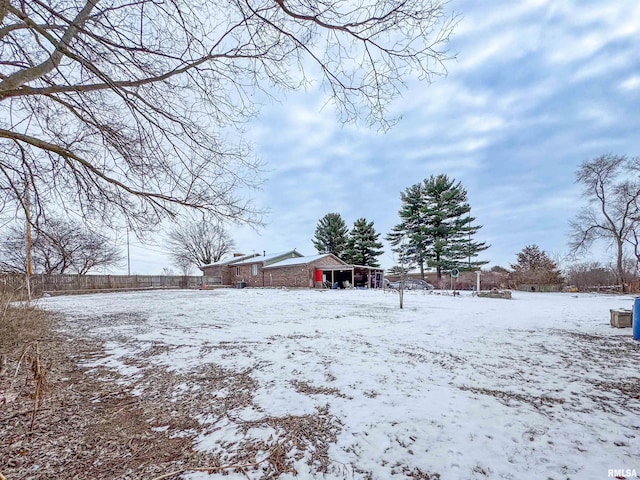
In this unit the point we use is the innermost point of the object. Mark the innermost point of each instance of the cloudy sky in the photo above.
(537, 87)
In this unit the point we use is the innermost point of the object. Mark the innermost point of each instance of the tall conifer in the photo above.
(436, 228)
(363, 246)
(331, 235)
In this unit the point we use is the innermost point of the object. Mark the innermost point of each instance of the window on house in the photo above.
(254, 269)
(237, 271)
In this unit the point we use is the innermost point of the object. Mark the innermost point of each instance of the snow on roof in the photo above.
(298, 261)
(229, 261)
(267, 258)
(351, 265)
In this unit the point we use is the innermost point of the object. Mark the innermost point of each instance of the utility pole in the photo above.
(27, 214)
(128, 255)
(469, 245)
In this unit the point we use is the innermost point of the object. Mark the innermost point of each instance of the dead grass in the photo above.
(61, 420)
(308, 389)
(506, 397)
(20, 325)
(629, 388)
(298, 437)
(22, 331)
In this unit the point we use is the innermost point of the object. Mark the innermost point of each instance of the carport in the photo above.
(352, 276)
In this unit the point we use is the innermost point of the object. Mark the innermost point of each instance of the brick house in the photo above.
(300, 272)
(243, 268)
(219, 273)
(289, 269)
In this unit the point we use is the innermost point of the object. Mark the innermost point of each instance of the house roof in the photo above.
(229, 261)
(302, 260)
(268, 259)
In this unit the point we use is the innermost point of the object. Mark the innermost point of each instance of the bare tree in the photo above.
(198, 242)
(118, 107)
(59, 246)
(94, 251)
(185, 266)
(611, 215)
(634, 240)
(13, 251)
(588, 274)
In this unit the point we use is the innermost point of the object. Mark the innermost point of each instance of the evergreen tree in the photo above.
(436, 227)
(363, 246)
(535, 266)
(331, 235)
(407, 237)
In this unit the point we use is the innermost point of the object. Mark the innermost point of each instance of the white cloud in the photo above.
(483, 123)
(630, 83)
(603, 65)
(571, 48)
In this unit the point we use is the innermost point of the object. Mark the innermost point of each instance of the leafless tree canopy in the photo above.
(197, 243)
(612, 190)
(59, 246)
(585, 275)
(136, 107)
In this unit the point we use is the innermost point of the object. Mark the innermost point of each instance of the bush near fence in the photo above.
(41, 284)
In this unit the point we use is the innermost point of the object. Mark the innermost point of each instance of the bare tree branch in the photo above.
(26, 75)
(135, 108)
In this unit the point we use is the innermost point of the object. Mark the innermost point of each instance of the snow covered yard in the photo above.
(343, 384)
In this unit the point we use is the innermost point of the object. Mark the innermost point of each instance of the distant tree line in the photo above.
(534, 266)
(436, 230)
(57, 246)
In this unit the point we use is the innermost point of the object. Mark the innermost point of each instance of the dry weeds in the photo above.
(61, 420)
(79, 426)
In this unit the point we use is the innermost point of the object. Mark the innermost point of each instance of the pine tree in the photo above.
(436, 227)
(535, 266)
(331, 235)
(363, 246)
(407, 237)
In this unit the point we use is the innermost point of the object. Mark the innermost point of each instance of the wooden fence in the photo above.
(58, 283)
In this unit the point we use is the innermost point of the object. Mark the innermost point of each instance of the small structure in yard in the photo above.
(495, 293)
(620, 318)
(290, 269)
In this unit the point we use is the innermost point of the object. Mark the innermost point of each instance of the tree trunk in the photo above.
(620, 266)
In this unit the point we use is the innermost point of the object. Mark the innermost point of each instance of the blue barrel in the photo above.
(636, 318)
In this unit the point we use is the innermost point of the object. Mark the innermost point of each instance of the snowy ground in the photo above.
(537, 387)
